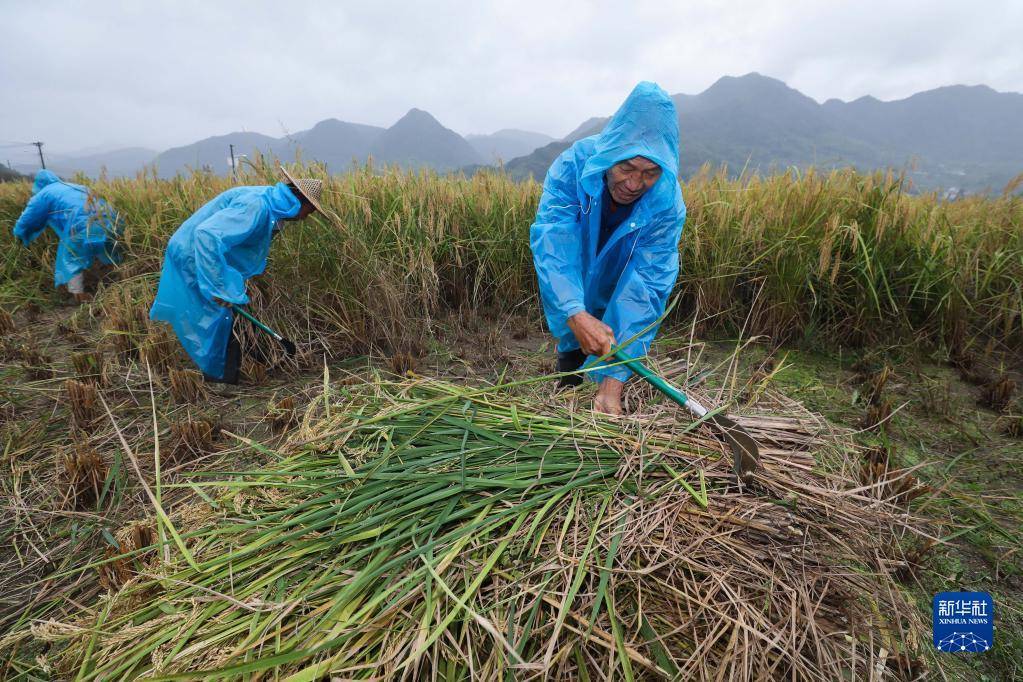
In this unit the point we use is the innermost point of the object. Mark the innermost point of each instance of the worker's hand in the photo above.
(609, 397)
(594, 337)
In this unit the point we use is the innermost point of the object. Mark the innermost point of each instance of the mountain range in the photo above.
(964, 137)
(417, 140)
(967, 137)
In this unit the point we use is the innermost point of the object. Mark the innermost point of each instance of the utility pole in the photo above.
(234, 172)
(39, 146)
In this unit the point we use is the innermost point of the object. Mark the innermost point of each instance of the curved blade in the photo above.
(745, 451)
(289, 347)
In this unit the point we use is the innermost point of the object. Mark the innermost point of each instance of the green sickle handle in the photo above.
(661, 385)
(745, 451)
(289, 347)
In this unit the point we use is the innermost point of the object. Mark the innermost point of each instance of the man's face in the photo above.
(303, 212)
(628, 180)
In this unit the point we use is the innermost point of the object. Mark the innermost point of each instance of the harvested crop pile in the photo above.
(415, 528)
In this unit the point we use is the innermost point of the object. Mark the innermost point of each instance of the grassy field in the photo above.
(896, 317)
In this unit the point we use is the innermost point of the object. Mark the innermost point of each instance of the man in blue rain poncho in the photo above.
(605, 239)
(210, 258)
(85, 225)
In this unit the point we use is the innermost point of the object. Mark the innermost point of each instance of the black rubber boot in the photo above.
(569, 361)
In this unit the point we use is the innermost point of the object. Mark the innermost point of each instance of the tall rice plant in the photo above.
(840, 258)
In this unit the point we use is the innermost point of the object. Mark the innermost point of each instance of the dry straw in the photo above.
(998, 393)
(187, 386)
(6, 322)
(282, 415)
(90, 366)
(83, 401)
(83, 473)
(35, 363)
(133, 552)
(192, 437)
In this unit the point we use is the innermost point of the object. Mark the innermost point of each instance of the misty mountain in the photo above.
(116, 162)
(506, 144)
(590, 126)
(337, 143)
(536, 163)
(968, 137)
(958, 136)
(418, 140)
(214, 153)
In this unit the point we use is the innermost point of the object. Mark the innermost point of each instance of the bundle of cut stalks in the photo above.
(417, 529)
(90, 367)
(192, 437)
(84, 472)
(133, 553)
(159, 349)
(83, 402)
(126, 318)
(187, 386)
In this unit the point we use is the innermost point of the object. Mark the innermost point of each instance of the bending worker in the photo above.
(605, 239)
(210, 258)
(85, 225)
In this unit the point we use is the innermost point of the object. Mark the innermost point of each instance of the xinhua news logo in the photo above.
(963, 621)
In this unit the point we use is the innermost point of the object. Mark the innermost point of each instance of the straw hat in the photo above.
(310, 188)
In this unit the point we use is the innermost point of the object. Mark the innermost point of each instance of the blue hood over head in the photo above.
(626, 281)
(43, 178)
(645, 125)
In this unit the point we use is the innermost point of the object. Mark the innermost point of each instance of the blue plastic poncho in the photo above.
(85, 225)
(627, 284)
(211, 255)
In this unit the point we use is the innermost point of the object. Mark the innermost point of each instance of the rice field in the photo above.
(838, 258)
(376, 508)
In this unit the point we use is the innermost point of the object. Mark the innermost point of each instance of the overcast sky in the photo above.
(159, 74)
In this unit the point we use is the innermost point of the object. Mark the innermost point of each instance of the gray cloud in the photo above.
(158, 74)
